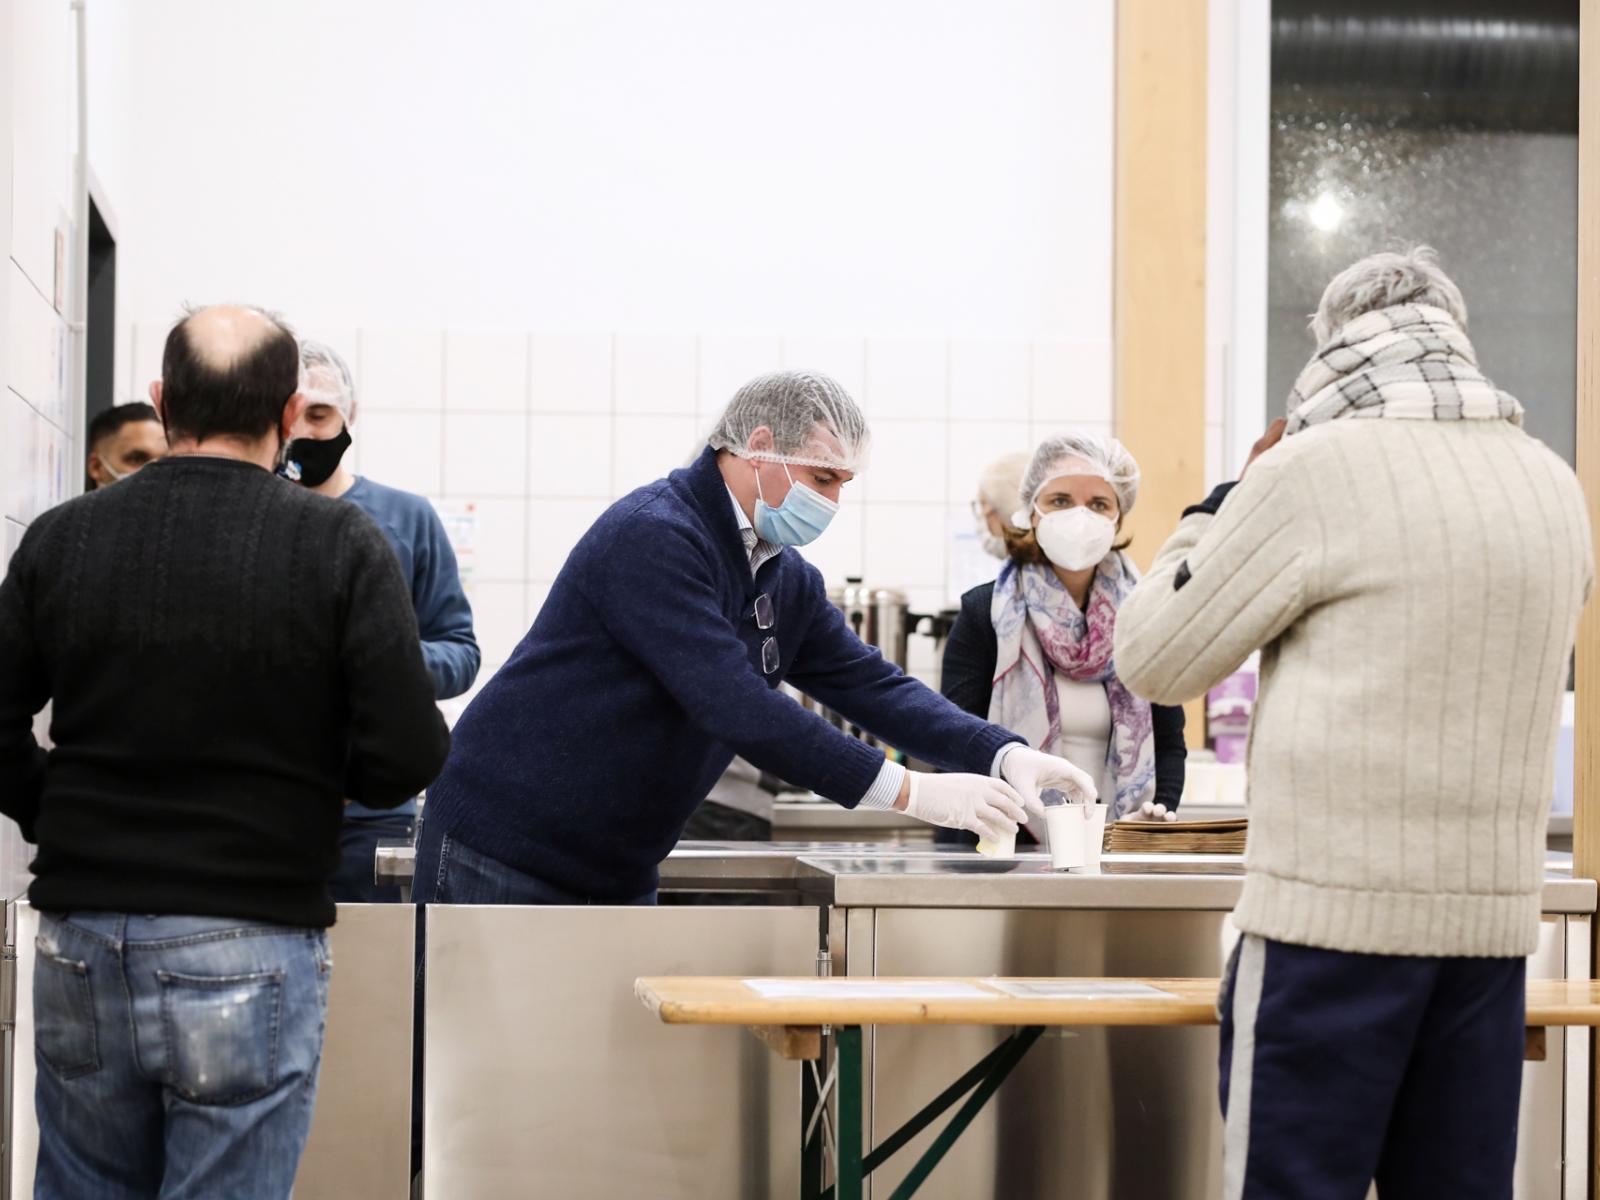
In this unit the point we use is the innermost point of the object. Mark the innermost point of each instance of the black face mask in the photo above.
(309, 461)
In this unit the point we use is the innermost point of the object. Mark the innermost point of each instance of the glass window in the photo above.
(1452, 123)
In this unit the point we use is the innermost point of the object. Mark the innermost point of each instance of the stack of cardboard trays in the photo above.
(1177, 837)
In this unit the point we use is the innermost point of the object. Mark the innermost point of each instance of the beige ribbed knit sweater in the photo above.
(1415, 587)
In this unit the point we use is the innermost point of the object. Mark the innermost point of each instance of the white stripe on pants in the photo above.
(1246, 999)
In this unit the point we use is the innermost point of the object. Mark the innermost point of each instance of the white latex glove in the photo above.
(1151, 811)
(981, 805)
(1031, 772)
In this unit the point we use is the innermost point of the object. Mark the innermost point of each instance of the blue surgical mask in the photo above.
(799, 520)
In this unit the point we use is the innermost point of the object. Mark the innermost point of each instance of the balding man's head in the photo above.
(227, 371)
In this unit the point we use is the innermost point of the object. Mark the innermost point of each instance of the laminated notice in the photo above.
(867, 989)
(1078, 989)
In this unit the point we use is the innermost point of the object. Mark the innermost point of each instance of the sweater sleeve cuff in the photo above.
(1213, 502)
(1000, 758)
(885, 788)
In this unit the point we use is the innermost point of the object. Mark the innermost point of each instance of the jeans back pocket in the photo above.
(221, 1035)
(63, 1015)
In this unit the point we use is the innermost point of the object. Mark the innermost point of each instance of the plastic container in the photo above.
(1561, 803)
(1200, 779)
(1229, 706)
(1230, 747)
(1230, 783)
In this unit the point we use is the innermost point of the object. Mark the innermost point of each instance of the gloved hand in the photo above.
(1150, 810)
(984, 806)
(1031, 772)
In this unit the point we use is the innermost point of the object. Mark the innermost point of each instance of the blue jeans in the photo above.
(451, 872)
(177, 1056)
(1338, 1069)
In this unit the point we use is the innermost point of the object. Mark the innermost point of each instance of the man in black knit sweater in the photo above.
(227, 657)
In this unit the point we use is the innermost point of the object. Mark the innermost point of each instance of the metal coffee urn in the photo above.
(881, 617)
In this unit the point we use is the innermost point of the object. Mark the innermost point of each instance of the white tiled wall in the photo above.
(540, 431)
(40, 461)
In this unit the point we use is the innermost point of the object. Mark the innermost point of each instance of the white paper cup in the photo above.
(1094, 834)
(1076, 834)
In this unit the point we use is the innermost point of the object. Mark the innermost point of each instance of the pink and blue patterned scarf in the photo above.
(1040, 632)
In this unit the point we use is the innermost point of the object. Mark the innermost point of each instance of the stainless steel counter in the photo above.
(542, 1066)
(772, 866)
(1123, 881)
(884, 875)
(1117, 1114)
(818, 819)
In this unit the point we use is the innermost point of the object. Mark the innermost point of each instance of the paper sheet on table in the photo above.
(865, 989)
(1077, 989)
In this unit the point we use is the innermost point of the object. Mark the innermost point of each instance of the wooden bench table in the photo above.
(794, 1017)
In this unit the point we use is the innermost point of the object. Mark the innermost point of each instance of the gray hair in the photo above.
(1382, 281)
(1000, 485)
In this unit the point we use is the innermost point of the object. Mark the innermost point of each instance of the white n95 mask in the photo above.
(1076, 539)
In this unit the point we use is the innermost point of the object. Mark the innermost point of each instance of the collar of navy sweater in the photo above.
(709, 494)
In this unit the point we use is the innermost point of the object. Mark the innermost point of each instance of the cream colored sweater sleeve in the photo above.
(1222, 587)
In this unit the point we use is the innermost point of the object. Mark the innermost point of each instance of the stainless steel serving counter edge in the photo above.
(886, 876)
(1122, 882)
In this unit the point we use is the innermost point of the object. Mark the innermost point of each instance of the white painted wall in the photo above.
(39, 455)
(553, 237)
(897, 167)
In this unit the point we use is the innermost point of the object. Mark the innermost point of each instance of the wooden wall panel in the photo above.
(1160, 264)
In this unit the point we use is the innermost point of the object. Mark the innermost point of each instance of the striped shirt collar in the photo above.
(758, 549)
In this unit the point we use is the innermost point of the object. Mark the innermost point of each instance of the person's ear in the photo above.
(761, 440)
(292, 412)
(96, 469)
(155, 399)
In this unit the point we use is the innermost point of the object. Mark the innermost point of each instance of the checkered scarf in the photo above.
(1411, 362)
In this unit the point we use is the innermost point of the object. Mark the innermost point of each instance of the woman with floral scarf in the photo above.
(1032, 650)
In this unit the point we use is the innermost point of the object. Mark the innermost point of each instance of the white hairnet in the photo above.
(793, 404)
(1000, 485)
(1080, 454)
(325, 379)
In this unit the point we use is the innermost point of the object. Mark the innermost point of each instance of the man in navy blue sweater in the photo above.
(657, 658)
(315, 459)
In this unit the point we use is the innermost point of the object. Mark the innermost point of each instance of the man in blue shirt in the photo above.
(657, 658)
(315, 459)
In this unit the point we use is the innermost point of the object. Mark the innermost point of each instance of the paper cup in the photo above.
(1094, 834)
(1006, 848)
(1076, 834)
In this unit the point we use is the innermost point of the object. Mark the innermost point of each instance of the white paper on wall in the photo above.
(59, 348)
(967, 564)
(460, 520)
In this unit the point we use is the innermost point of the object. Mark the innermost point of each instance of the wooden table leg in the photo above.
(1535, 1045)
